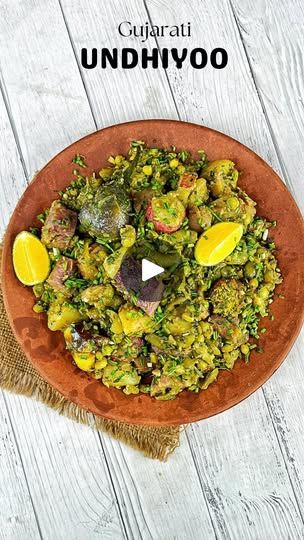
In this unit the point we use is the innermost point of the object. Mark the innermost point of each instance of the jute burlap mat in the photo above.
(18, 376)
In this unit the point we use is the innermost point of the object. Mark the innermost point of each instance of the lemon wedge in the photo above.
(215, 244)
(30, 259)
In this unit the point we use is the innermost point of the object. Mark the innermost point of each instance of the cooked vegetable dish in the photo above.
(176, 331)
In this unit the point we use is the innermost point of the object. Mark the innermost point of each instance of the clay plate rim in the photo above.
(232, 387)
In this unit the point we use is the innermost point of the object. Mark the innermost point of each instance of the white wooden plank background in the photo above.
(238, 475)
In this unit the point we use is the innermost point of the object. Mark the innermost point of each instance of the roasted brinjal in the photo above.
(107, 213)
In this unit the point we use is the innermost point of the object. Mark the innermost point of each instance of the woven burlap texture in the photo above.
(18, 375)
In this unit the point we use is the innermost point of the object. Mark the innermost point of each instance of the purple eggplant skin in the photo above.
(104, 216)
(81, 339)
(149, 293)
(128, 276)
(150, 296)
(59, 226)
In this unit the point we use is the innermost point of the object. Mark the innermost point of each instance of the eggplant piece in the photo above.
(128, 349)
(78, 339)
(200, 218)
(150, 296)
(147, 377)
(149, 293)
(128, 277)
(142, 366)
(142, 198)
(107, 213)
(91, 260)
(59, 226)
(62, 270)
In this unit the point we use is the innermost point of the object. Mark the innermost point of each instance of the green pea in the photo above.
(249, 270)
(118, 159)
(226, 271)
(189, 362)
(268, 276)
(258, 302)
(38, 290)
(105, 173)
(263, 293)
(233, 203)
(38, 308)
(245, 349)
(227, 348)
(181, 169)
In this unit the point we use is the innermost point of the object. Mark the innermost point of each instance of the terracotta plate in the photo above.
(46, 349)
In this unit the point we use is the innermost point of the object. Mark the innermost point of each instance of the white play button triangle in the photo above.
(149, 270)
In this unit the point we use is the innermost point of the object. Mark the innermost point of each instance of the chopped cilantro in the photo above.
(78, 159)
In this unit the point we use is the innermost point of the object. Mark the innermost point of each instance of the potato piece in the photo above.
(166, 212)
(218, 167)
(128, 236)
(84, 360)
(91, 259)
(209, 379)
(131, 389)
(178, 327)
(182, 237)
(113, 262)
(185, 342)
(233, 208)
(183, 194)
(98, 294)
(239, 256)
(155, 341)
(229, 331)
(61, 315)
(221, 174)
(123, 374)
(100, 363)
(135, 322)
(200, 193)
(116, 326)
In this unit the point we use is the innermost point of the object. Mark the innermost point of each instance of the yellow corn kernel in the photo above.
(227, 348)
(181, 169)
(173, 163)
(37, 308)
(189, 362)
(245, 349)
(100, 363)
(233, 203)
(147, 170)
